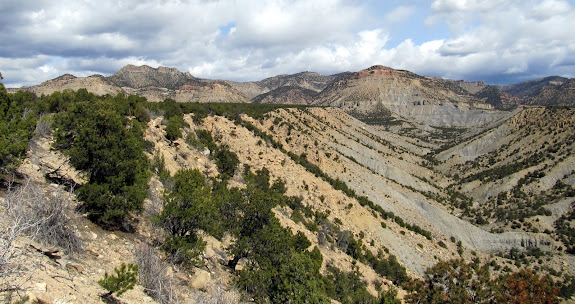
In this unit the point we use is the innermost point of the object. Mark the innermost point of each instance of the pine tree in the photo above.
(125, 279)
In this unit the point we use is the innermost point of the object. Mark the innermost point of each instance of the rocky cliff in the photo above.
(305, 80)
(408, 96)
(375, 91)
(156, 84)
(139, 77)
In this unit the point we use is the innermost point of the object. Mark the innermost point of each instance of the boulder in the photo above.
(200, 279)
(241, 265)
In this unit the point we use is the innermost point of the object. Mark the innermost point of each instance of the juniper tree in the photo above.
(125, 279)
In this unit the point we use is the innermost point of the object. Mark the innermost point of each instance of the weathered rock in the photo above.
(200, 279)
(241, 265)
(409, 96)
(156, 84)
(40, 287)
(75, 268)
(306, 80)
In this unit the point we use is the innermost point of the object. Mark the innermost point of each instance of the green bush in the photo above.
(142, 114)
(19, 113)
(188, 208)
(125, 279)
(226, 160)
(173, 131)
(206, 140)
(109, 148)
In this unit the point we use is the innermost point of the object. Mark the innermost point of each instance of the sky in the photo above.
(497, 41)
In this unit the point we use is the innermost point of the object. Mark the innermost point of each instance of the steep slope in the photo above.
(73, 278)
(408, 96)
(389, 174)
(304, 80)
(531, 88)
(357, 184)
(558, 95)
(286, 95)
(498, 99)
(156, 84)
(520, 174)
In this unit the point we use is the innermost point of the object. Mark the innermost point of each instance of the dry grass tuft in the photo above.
(153, 275)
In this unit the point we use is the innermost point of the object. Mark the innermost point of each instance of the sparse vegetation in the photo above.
(45, 218)
(457, 281)
(28, 212)
(125, 279)
(336, 183)
(103, 137)
(14, 224)
(566, 230)
(153, 276)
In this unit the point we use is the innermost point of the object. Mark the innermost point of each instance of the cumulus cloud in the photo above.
(185, 34)
(522, 38)
(495, 40)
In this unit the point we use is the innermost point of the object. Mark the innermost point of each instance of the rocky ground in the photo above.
(394, 171)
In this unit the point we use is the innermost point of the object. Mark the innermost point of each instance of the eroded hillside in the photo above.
(382, 91)
(284, 204)
(519, 174)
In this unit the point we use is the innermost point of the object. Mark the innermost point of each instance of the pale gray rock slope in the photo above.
(424, 212)
(410, 97)
(448, 114)
(394, 179)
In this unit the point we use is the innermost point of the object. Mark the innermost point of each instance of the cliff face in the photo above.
(161, 83)
(462, 86)
(408, 96)
(375, 95)
(498, 99)
(156, 84)
(305, 80)
(428, 100)
(139, 77)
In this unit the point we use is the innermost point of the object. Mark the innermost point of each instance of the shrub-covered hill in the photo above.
(234, 202)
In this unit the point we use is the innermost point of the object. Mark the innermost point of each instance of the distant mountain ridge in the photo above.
(305, 80)
(138, 77)
(287, 94)
(532, 88)
(406, 96)
(362, 91)
(548, 91)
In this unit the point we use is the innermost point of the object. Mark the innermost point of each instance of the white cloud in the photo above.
(520, 37)
(550, 8)
(451, 6)
(23, 71)
(488, 39)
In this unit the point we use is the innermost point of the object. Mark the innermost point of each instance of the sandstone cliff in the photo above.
(408, 96)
